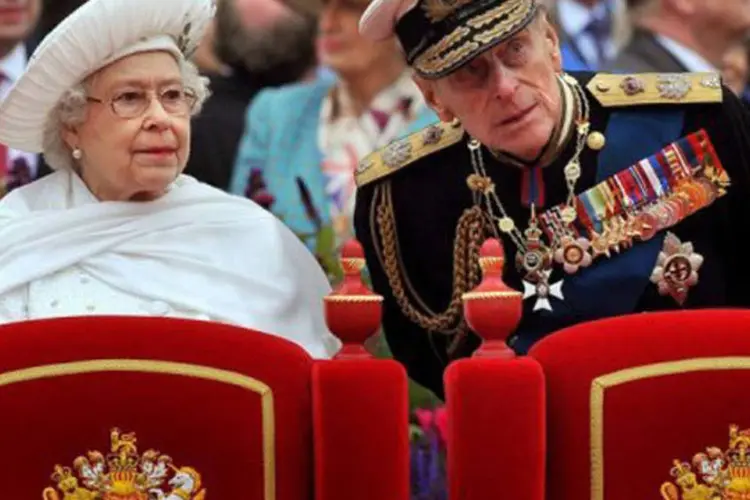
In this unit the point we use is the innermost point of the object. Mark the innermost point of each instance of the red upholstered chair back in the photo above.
(628, 396)
(232, 404)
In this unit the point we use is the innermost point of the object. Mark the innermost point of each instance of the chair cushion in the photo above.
(630, 395)
(232, 404)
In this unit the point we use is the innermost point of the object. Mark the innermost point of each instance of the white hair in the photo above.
(71, 111)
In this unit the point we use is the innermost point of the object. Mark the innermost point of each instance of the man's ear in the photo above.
(427, 87)
(544, 26)
(552, 40)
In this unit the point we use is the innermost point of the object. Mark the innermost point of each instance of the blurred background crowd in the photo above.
(298, 98)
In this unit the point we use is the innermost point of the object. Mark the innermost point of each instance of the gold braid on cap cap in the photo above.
(465, 40)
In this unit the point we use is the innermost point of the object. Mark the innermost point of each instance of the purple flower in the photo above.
(264, 199)
(257, 190)
(19, 174)
(428, 476)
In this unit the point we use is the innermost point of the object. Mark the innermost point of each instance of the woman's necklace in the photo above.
(533, 257)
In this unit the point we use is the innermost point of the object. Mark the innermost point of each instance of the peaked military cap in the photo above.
(439, 36)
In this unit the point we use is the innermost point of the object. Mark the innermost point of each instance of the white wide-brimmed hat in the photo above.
(97, 34)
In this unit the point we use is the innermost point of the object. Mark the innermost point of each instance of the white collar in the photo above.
(574, 16)
(14, 64)
(689, 58)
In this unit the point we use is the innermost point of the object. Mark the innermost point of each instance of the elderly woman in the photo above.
(302, 142)
(117, 229)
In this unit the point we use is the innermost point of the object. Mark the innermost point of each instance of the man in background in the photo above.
(591, 31)
(18, 18)
(253, 44)
(682, 35)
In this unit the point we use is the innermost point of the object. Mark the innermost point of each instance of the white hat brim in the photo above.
(96, 34)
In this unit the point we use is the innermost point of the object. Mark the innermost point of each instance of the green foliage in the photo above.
(325, 251)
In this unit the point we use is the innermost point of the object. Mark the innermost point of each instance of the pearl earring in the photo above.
(77, 154)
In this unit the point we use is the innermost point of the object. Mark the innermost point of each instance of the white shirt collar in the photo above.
(14, 64)
(575, 17)
(689, 58)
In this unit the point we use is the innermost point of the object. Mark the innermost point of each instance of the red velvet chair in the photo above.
(639, 407)
(247, 415)
(629, 396)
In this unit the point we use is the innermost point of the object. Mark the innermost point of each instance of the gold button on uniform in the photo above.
(596, 141)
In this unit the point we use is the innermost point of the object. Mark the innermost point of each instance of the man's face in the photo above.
(507, 97)
(266, 38)
(340, 45)
(18, 19)
(728, 16)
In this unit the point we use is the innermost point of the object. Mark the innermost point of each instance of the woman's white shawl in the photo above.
(197, 248)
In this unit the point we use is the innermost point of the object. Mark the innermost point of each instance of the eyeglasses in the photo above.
(133, 103)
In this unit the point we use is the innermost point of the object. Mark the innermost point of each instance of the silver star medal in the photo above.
(542, 290)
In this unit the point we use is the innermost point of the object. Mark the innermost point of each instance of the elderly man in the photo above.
(591, 31)
(612, 194)
(676, 35)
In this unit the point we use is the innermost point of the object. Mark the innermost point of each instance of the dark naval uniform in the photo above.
(663, 216)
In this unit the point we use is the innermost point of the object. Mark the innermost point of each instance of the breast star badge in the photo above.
(676, 268)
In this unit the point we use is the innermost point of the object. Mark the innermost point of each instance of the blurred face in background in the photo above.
(728, 18)
(341, 47)
(18, 19)
(261, 14)
(265, 38)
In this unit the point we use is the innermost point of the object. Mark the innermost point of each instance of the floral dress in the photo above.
(346, 138)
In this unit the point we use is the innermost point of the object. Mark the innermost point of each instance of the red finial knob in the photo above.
(493, 309)
(353, 311)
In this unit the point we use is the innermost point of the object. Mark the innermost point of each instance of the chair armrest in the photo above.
(496, 429)
(360, 430)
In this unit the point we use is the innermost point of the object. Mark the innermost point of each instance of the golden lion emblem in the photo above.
(715, 474)
(124, 475)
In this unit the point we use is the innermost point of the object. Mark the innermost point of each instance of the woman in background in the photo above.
(302, 142)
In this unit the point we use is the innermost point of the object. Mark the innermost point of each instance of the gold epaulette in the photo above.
(403, 152)
(638, 89)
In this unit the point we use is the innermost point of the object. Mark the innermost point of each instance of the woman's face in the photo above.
(135, 139)
(18, 19)
(341, 47)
